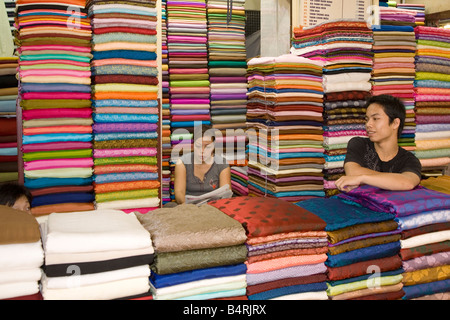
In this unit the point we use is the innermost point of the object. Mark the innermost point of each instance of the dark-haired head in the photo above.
(15, 196)
(393, 107)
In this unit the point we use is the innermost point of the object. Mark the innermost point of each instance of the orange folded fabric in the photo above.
(126, 186)
(286, 262)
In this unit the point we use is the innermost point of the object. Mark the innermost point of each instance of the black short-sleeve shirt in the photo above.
(362, 151)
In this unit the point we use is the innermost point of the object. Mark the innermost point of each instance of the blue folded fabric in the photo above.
(167, 280)
(425, 289)
(363, 254)
(124, 103)
(124, 176)
(184, 124)
(126, 54)
(215, 295)
(7, 105)
(122, 118)
(270, 294)
(54, 87)
(392, 28)
(8, 151)
(56, 182)
(124, 136)
(56, 137)
(70, 197)
(340, 214)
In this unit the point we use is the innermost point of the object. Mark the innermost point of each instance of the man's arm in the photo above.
(357, 175)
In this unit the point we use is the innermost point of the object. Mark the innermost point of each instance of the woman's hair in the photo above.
(392, 106)
(10, 192)
(202, 131)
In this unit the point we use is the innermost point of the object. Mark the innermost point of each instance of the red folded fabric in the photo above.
(56, 113)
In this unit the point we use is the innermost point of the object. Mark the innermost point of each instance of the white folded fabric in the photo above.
(105, 291)
(74, 281)
(94, 231)
(16, 276)
(21, 256)
(18, 289)
(319, 295)
(129, 204)
(423, 239)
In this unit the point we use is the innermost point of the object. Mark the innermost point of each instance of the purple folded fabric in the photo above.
(124, 127)
(54, 146)
(291, 272)
(366, 236)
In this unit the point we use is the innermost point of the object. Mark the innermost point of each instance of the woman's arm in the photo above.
(225, 177)
(357, 175)
(180, 182)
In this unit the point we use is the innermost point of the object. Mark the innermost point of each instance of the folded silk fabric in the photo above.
(418, 200)
(190, 227)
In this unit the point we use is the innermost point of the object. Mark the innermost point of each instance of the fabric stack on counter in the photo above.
(8, 125)
(423, 217)
(419, 11)
(21, 255)
(95, 255)
(55, 93)
(432, 88)
(346, 49)
(165, 107)
(284, 121)
(227, 70)
(398, 16)
(199, 253)
(363, 261)
(393, 72)
(125, 98)
(189, 86)
(287, 248)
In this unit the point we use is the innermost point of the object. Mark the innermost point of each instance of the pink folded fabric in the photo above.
(56, 61)
(143, 63)
(55, 72)
(55, 146)
(57, 129)
(107, 153)
(56, 113)
(126, 110)
(56, 47)
(285, 262)
(59, 163)
(56, 95)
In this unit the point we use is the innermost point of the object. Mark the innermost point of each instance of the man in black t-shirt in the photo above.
(378, 160)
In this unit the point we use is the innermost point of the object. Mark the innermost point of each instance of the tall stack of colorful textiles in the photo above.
(96, 255)
(398, 16)
(393, 72)
(125, 101)
(55, 93)
(165, 108)
(199, 253)
(346, 49)
(8, 121)
(284, 121)
(21, 255)
(419, 11)
(363, 254)
(189, 86)
(432, 89)
(227, 70)
(423, 218)
(287, 248)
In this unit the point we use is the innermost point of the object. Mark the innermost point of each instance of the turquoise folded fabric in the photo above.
(55, 137)
(125, 118)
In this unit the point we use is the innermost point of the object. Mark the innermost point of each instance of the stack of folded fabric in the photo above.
(165, 108)
(393, 72)
(423, 217)
(239, 180)
(227, 70)
(419, 11)
(398, 16)
(189, 86)
(21, 255)
(346, 49)
(96, 255)
(287, 248)
(55, 93)
(284, 120)
(441, 183)
(363, 260)
(8, 131)
(432, 89)
(125, 98)
(199, 253)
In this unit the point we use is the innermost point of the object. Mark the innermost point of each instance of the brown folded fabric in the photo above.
(368, 292)
(426, 275)
(425, 229)
(363, 243)
(18, 227)
(9, 167)
(394, 295)
(425, 250)
(60, 208)
(360, 268)
(285, 283)
(62, 189)
(357, 230)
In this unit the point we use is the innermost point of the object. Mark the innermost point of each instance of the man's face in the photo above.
(377, 124)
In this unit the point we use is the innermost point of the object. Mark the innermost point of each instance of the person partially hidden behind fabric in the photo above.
(200, 171)
(15, 196)
(378, 160)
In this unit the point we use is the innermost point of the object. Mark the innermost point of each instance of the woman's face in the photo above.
(22, 204)
(204, 148)
(377, 124)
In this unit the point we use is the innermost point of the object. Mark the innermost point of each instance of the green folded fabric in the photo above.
(125, 160)
(60, 154)
(125, 195)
